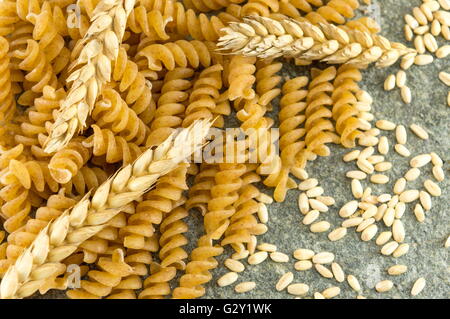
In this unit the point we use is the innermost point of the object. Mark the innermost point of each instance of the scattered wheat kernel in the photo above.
(383, 238)
(363, 115)
(383, 198)
(385, 124)
(383, 166)
(380, 212)
(279, 257)
(448, 98)
(407, 60)
(323, 271)
(384, 286)
(393, 202)
(419, 16)
(443, 52)
(419, 131)
(263, 213)
(397, 270)
(398, 231)
(375, 159)
(298, 289)
(438, 173)
(360, 297)
(245, 286)
(427, 12)
(400, 209)
(409, 195)
(331, 292)
(400, 81)
(348, 209)
(337, 234)
(430, 42)
(442, 16)
(356, 175)
(338, 273)
(389, 248)
(320, 227)
(315, 191)
(389, 83)
(370, 212)
(227, 279)
(267, 247)
(357, 189)
(445, 4)
(399, 185)
(352, 222)
(432, 188)
(400, 134)
(351, 156)
(324, 257)
(365, 166)
(423, 59)
(353, 283)
(308, 184)
(419, 213)
(311, 217)
(303, 203)
(412, 174)
(409, 35)
(383, 145)
(433, 5)
(303, 265)
(420, 160)
(447, 242)
(364, 205)
(240, 255)
(365, 153)
(327, 200)
(251, 245)
(445, 78)
(401, 250)
(284, 281)
(425, 200)
(367, 140)
(405, 92)
(402, 150)
(318, 295)
(419, 45)
(418, 286)
(234, 265)
(366, 223)
(315, 204)
(389, 216)
(445, 31)
(435, 28)
(303, 254)
(300, 173)
(369, 232)
(436, 159)
(379, 179)
(411, 21)
(257, 258)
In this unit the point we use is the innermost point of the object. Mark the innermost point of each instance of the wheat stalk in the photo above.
(40, 263)
(92, 69)
(268, 38)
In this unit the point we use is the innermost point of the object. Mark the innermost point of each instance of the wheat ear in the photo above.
(268, 38)
(41, 262)
(92, 69)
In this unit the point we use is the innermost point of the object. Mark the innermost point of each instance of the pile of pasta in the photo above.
(166, 74)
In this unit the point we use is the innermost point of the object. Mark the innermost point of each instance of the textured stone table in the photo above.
(427, 256)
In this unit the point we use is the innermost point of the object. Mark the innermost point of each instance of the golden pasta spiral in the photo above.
(87, 178)
(260, 7)
(7, 100)
(209, 5)
(170, 105)
(114, 148)
(66, 163)
(112, 274)
(8, 17)
(296, 8)
(112, 112)
(200, 191)
(335, 11)
(267, 81)
(152, 23)
(241, 78)
(39, 72)
(181, 53)
(345, 110)
(202, 99)
(171, 255)
(168, 191)
(135, 89)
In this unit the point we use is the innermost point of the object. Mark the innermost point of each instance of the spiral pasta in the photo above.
(267, 81)
(200, 191)
(345, 110)
(135, 89)
(7, 101)
(241, 78)
(170, 105)
(260, 7)
(8, 17)
(209, 5)
(335, 11)
(112, 112)
(87, 178)
(181, 53)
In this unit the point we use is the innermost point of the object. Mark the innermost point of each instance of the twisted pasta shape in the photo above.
(205, 92)
(335, 11)
(260, 7)
(180, 53)
(135, 89)
(267, 81)
(170, 105)
(113, 148)
(113, 275)
(171, 254)
(66, 163)
(241, 78)
(8, 17)
(112, 112)
(87, 178)
(209, 5)
(7, 101)
(139, 230)
(345, 110)
(200, 191)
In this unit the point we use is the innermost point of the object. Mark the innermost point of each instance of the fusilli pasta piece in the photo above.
(241, 78)
(209, 5)
(260, 7)
(7, 100)
(267, 81)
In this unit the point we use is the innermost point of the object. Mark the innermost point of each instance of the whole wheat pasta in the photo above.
(91, 70)
(91, 214)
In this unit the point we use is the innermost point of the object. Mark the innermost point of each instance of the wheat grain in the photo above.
(356, 175)
(385, 124)
(383, 238)
(257, 258)
(352, 222)
(91, 214)
(245, 286)
(234, 265)
(331, 292)
(384, 286)
(405, 93)
(401, 250)
(318, 295)
(425, 200)
(400, 209)
(432, 188)
(408, 32)
(418, 286)
(419, 213)
(320, 227)
(398, 231)
(389, 83)
(422, 30)
(435, 28)
(354, 283)
(445, 4)
(298, 289)
(402, 150)
(443, 52)
(397, 270)
(311, 217)
(303, 203)
(436, 159)
(338, 273)
(318, 205)
(419, 45)
(366, 223)
(411, 21)
(279, 257)
(351, 156)
(383, 145)
(420, 160)
(379, 179)
(308, 184)
(430, 42)
(303, 254)
(389, 248)
(444, 77)
(438, 173)
(264, 198)
(315, 191)
(348, 209)
(323, 271)
(227, 279)
(323, 258)
(369, 233)
(412, 174)
(447, 242)
(284, 281)
(303, 265)
(337, 234)
(266, 38)
(263, 213)
(267, 247)
(400, 134)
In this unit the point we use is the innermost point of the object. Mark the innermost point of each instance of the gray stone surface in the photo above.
(427, 256)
